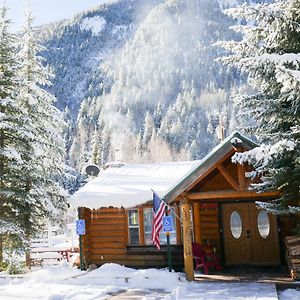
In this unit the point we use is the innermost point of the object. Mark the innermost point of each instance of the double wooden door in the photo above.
(250, 235)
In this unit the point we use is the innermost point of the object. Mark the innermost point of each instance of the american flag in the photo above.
(158, 213)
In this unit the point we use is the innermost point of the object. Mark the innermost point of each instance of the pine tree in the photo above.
(69, 131)
(80, 138)
(157, 116)
(72, 180)
(148, 129)
(43, 166)
(107, 149)
(139, 143)
(269, 53)
(12, 137)
(96, 149)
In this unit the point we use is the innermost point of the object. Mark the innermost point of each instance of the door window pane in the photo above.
(263, 224)
(236, 226)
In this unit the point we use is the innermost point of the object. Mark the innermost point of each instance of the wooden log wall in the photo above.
(209, 221)
(106, 241)
(107, 235)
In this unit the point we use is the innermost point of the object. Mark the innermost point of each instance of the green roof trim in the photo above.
(207, 162)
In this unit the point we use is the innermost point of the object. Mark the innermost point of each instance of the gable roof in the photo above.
(128, 185)
(209, 161)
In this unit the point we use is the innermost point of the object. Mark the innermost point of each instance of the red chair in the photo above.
(204, 260)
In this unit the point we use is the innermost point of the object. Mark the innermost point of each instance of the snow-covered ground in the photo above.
(113, 281)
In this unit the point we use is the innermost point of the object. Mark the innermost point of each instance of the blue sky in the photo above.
(46, 11)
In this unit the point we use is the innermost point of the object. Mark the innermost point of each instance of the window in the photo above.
(263, 224)
(133, 224)
(148, 217)
(236, 225)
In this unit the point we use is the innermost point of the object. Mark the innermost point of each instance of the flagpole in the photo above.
(169, 247)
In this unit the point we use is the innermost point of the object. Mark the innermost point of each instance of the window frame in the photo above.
(133, 226)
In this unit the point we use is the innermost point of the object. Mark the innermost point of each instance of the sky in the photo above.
(46, 11)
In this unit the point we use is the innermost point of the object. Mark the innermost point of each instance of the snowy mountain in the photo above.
(76, 47)
(142, 73)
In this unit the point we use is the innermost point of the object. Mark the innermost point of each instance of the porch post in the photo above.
(187, 240)
(178, 225)
(241, 177)
(197, 223)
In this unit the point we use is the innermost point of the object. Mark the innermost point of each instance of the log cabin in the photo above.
(212, 198)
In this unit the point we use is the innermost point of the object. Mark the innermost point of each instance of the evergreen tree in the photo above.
(72, 180)
(185, 122)
(12, 137)
(89, 118)
(69, 132)
(43, 166)
(107, 149)
(80, 138)
(139, 143)
(269, 53)
(96, 149)
(148, 129)
(157, 116)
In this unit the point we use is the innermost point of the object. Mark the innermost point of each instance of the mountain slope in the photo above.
(123, 62)
(76, 47)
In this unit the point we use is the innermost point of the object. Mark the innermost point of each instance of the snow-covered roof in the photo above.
(128, 185)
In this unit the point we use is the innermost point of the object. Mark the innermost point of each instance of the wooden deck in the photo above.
(278, 275)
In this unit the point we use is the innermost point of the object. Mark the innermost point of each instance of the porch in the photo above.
(272, 274)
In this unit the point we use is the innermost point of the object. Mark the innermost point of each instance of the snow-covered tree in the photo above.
(184, 123)
(69, 132)
(157, 116)
(139, 143)
(96, 148)
(89, 119)
(148, 129)
(12, 135)
(43, 165)
(269, 52)
(107, 149)
(72, 180)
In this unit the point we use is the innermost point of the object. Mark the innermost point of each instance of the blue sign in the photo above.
(168, 223)
(80, 227)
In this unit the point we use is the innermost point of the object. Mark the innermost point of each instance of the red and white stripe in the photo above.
(157, 220)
